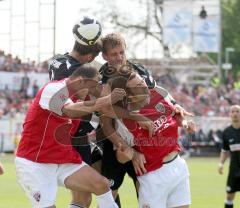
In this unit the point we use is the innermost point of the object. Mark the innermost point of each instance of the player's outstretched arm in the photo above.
(79, 109)
(119, 112)
(124, 152)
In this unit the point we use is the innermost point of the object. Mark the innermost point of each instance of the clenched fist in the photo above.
(117, 95)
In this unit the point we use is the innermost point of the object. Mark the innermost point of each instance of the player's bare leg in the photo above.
(82, 199)
(229, 201)
(88, 180)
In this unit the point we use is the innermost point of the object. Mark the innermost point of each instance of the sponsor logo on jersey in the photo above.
(63, 97)
(231, 140)
(234, 147)
(56, 63)
(160, 122)
(160, 108)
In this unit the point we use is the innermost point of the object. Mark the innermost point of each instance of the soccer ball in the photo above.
(87, 31)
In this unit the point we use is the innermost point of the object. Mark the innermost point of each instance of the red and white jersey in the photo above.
(165, 138)
(46, 136)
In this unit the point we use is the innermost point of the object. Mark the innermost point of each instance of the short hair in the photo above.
(88, 49)
(85, 71)
(118, 80)
(112, 40)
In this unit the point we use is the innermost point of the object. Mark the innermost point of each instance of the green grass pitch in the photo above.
(207, 187)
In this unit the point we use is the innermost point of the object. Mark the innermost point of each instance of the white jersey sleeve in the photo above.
(54, 96)
(124, 133)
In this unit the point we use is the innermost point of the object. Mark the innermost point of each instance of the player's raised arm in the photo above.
(76, 110)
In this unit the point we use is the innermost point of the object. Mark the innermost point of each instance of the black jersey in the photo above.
(62, 66)
(106, 72)
(231, 142)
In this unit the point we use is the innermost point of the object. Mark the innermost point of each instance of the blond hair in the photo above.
(112, 40)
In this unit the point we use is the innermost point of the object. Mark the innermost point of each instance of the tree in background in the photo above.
(231, 31)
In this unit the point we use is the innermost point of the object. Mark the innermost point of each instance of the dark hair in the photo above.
(120, 81)
(85, 71)
(87, 49)
(112, 40)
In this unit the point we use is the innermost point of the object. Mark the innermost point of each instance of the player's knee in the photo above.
(101, 185)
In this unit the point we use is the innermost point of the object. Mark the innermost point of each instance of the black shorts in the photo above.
(233, 184)
(83, 149)
(112, 169)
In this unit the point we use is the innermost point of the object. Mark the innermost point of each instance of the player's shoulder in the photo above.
(58, 60)
(141, 69)
(54, 87)
(64, 59)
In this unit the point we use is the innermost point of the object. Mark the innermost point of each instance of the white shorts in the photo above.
(40, 180)
(165, 187)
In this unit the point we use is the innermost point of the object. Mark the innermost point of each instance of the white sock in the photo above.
(106, 200)
(229, 202)
(75, 206)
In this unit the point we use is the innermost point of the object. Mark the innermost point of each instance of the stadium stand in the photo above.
(209, 101)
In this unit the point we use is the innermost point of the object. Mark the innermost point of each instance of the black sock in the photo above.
(117, 200)
(228, 205)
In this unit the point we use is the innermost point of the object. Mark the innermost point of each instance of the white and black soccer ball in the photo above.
(87, 31)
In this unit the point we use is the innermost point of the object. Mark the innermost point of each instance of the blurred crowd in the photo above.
(14, 102)
(8, 63)
(212, 100)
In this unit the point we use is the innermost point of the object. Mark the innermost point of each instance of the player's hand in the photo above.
(148, 125)
(124, 153)
(116, 95)
(1, 169)
(179, 109)
(138, 163)
(189, 126)
(220, 169)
